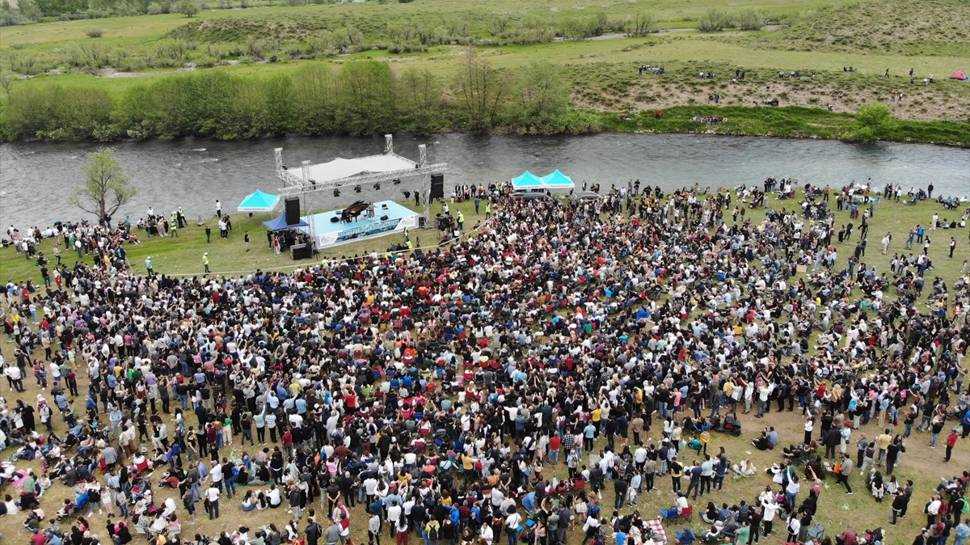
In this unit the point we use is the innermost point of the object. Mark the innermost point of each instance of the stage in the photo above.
(329, 233)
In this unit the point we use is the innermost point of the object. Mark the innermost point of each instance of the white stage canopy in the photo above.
(341, 168)
(341, 172)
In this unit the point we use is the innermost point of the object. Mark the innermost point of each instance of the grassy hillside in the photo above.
(927, 27)
(792, 53)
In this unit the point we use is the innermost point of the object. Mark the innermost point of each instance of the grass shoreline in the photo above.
(791, 122)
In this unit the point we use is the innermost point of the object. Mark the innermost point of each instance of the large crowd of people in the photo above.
(495, 388)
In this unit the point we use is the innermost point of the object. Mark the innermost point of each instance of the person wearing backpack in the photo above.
(313, 532)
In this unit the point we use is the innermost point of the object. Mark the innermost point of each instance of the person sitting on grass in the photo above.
(249, 502)
(744, 468)
(762, 442)
(677, 509)
(686, 537)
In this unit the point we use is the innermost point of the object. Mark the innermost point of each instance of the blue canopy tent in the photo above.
(557, 180)
(279, 224)
(526, 181)
(258, 201)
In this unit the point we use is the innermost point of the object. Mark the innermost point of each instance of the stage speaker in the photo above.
(422, 222)
(384, 217)
(292, 210)
(300, 251)
(437, 186)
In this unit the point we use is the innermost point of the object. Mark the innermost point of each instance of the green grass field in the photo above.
(668, 14)
(182, 255)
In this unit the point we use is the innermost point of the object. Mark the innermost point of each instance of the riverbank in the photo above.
(368, 97)
(791, 122)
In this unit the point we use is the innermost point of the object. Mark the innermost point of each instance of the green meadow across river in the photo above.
(231, 71)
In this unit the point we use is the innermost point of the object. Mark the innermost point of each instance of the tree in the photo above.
(419, 101)
(105, 188)
(365, 97)
(872, 122)
(543, 96)
(187, 8)
(640, 25)
(314, 100)
(480, 90)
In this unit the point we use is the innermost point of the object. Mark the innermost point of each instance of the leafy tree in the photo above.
(187, 8)
(314, 100)
(105, 187)
(278, 95)
(419, 95)
(53, 8)
(543, 96)
(872, 122)
(713, 21)
(366, 97)
(641, 24)
(480, 90)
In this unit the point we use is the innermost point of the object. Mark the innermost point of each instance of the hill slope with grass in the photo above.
(80, 80)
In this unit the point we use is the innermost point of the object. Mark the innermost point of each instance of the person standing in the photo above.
(219, 208)
(932, 510)
(794, 527)
(951, 441)
(962, 533)
(212, 499)
(843, 471)
(149, 267)
(374, 529)
(313, 532)
(332, 534)
(900, 500)
(205, 262)
(892, 454)
(15, 377)
(953, 246)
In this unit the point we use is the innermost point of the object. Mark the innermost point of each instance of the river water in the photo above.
(36, 180)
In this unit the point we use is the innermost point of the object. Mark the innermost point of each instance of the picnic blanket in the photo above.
(657, 528)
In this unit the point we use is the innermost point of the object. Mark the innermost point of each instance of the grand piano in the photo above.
(352, 212)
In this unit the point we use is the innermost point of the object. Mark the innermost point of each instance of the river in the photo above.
(36, 180)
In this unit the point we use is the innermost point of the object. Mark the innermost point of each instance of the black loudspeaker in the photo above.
(421, 222)
(292, 210)
(300, 251)
(437, 186)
